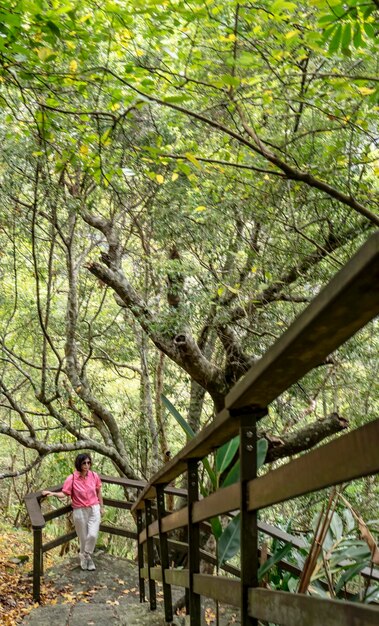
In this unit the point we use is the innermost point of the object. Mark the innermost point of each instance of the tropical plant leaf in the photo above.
(229, 542)
(179, 418)
(262, 446)
(233, 475)
(335, 40)
(277, 556)
(225, 454)
(352, 553)
(336, 526)
(357, 38)
(346, 36)
(188, 430)
(349, 519)
(372, 594)
(348, 574)
(216, 527)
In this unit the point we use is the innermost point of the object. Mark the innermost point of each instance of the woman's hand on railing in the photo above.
(58, 494)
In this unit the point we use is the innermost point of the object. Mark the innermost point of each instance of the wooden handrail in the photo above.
(353, 455)
(299, 609)
(34, 511)
(346, 304)
(350, 456)
(32, 500)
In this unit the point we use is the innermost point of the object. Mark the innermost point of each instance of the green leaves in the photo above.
(280, 6)
(229, 542)
(277, 556)
(190, 433)
(336, 526)
(346, 36)
(225, 455)
(262, 447)
(233, 476)
(54, 28)
(350, 550)
(216, 527)
(175, 413)
(357, 37)
(344, 25)
(348, 574)
(228, 80)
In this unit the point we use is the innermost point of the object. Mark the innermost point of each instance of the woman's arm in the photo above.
(58, 494)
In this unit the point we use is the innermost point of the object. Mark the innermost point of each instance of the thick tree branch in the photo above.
(182, 348)
(200, 369)
(237, 362)
(108, 229)
(45, 449)
(303, 439)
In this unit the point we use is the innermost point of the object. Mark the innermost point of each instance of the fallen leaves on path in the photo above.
(16, 582)
(16, 593)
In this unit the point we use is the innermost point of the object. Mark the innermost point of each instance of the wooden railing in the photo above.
(344, 306)
(38, 521)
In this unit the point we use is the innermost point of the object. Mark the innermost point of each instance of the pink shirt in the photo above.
(82, 490)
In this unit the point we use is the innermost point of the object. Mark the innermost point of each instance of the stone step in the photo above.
(88, 614)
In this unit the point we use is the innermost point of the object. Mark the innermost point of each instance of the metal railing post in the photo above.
(193, 543)
(150, 556)
(163, 549)
(37, 562)
(140, 557)
(249, 519)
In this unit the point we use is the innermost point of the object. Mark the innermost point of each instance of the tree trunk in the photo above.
(146, 407)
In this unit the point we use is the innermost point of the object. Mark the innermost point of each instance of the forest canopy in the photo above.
(178, 180)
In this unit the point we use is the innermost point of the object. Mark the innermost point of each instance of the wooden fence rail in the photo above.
(39, 519)
(345, 305)
(38, 522)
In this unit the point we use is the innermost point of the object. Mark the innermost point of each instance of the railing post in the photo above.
(249, 519)
(163, 549)
(193, 543)
(140, 557)
(150, 556)
(37, 562)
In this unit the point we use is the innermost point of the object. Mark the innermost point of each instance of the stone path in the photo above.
(108, 596)
(105, 597)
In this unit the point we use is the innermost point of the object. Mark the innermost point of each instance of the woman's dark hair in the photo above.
(79, 460)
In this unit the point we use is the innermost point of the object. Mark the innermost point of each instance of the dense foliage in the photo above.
(178, 180)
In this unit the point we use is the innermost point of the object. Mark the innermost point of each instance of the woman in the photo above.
(84, 489)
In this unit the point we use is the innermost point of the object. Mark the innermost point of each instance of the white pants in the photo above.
(87, 522)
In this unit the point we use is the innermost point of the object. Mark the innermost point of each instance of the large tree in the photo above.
(209, 164)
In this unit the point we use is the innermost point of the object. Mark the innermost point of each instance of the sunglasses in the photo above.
(86, 463)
